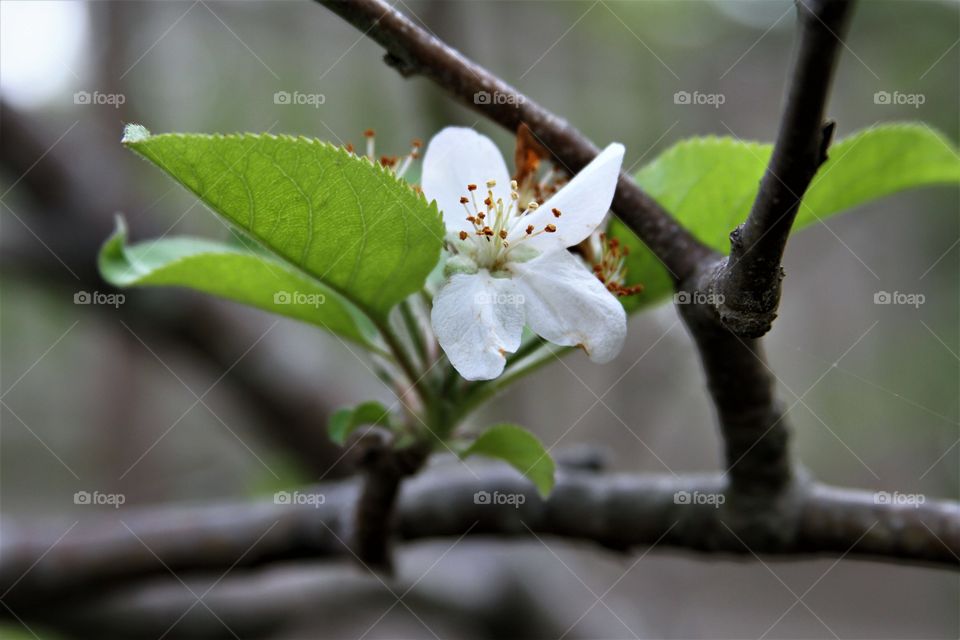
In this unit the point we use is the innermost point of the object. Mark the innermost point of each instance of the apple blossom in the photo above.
(508, 264)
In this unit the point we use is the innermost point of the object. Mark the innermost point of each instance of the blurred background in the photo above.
(173, 397)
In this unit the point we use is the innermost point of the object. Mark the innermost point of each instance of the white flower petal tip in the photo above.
(582, 203)
(478, 320)
(454, 158)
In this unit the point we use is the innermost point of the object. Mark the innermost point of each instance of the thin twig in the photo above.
(748, 283)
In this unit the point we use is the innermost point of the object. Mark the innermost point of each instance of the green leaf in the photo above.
(878, 162)
(233, 273)
(345, 421)
(709, 185)
(339, 218)
(520, 449)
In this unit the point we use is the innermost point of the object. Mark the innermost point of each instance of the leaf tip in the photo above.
(133, 133)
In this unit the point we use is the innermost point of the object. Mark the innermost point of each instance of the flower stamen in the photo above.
(497, 222)
(398, 165)
(610, 266)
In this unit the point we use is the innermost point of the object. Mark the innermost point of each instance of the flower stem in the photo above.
(403, 360)
(483, 391)
(416, 335)
(526, 349)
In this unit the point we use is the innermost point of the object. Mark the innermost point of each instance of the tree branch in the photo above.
(617, 511)
(749, 280)
(739, 294)
(384, 469)
(413, 51)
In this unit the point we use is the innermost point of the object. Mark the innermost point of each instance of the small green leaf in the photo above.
(709, 185)
(236, 274)
(339, 218)
(345, 421)
(520, 449)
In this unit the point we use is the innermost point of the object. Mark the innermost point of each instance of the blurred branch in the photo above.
(308, 600)
(616, 511)
(749, 280)
(71, 206)
(412, 50)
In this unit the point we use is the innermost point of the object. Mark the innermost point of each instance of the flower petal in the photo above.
(567, 305)
(478, 319)
(455, 158)
(583, 202)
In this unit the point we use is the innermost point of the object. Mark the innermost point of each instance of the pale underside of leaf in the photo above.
(235, 274)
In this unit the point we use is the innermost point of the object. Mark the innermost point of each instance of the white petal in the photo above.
(567, 305)
(478, 320)
(583, 202)
(455, 158)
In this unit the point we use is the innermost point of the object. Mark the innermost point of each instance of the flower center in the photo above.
(497, 229)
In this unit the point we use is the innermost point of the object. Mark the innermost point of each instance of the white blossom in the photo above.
(508, 263)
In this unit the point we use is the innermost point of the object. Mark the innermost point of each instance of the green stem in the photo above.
(403, 360)
(526, 349)
(416, 335)
(486, 390)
